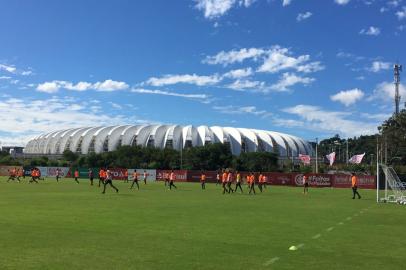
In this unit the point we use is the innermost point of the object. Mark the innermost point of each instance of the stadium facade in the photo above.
(103, 139)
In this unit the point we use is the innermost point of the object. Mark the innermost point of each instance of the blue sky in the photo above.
(308, 68)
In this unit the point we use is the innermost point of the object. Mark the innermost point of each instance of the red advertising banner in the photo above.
(180, 175)
(118, 173)
(314, 180)
(284, 179)
(364, 181)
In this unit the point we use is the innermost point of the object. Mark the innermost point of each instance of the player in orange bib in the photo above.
(230, 179)
(34, 176)
(354, 185)
(125, 176)
(224, 181)
(260, 181)
(102, 176)
(252, 183)
(76, 175)
(203, 180)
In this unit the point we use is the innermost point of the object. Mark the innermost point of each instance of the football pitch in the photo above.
(73, 226)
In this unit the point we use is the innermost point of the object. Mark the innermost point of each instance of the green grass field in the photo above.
(73, 226)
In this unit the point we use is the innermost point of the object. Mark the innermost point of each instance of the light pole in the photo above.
(181, 152)
(346, 154)
(317, 163)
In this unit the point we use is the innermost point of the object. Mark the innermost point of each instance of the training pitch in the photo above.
(73, 226)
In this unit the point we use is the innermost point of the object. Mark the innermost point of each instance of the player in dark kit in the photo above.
(238, 182)
(109, 180)
(218, 182)
(166, 178)
(145, 177)
(135, 180)
(91, 175)
(58, 174)
(305, 184)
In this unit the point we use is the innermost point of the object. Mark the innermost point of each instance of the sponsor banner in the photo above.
(194, 176)
(4, 170)
(63, 171)
(279, 179)
(43, 171)
(314, 180)
(151, 174)
(364, 181)
(117, 173)
(83, 172)
(180, 175)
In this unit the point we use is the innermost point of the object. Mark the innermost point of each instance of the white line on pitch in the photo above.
(330, 229)
(316, 236)
(271, 261)
(300, 245)
(348, 218)
(340, 223)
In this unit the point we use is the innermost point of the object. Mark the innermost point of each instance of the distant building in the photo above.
(103, 139)
(14, 149)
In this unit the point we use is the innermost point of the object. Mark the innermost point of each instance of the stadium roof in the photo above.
(107, 138)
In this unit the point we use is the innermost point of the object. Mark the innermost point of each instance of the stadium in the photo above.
(104, 139)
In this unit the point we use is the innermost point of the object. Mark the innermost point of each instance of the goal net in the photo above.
(394, 190)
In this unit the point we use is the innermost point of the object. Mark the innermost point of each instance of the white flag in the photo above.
(356, 159)
(331, 158)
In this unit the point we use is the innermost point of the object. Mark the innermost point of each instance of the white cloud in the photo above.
(201, 97)
(401, 14)
(279, 59)
(36, 116)
(348, 97)
(241, 110)
(8, 68)
(286, 2)
(186, 78)
(290, 79)
(274, 59)
(342, 2)
(385, 92)
(5, 78)
(317, 119)
(377, 66)
(242, 85)
(394, 3)
(26, 72)
(238, 73)
(110, 85)
(105, 86)
(49, 87)
(214, 9)
(233, 56)
(303, 16)
(371, 31)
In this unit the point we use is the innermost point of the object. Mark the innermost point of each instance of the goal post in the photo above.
(394, 190)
